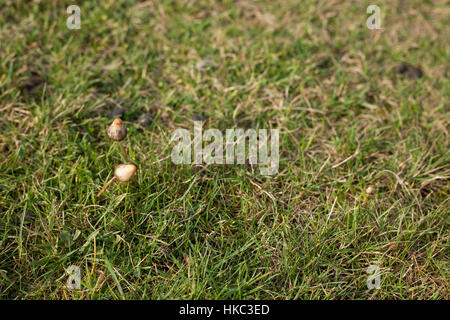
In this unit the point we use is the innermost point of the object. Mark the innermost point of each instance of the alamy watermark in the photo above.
(74, 280)
(74, 20)
(374, 20)
(235, 147)
(374, 278)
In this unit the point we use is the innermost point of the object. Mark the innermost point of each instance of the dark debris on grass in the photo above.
(410, 71)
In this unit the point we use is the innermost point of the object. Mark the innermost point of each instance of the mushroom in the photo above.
(123, 173)
(117, 131)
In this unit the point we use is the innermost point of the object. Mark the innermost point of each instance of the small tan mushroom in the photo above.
(123, 173)
(117, 130)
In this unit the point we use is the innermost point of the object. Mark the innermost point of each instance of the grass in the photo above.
(364, 151)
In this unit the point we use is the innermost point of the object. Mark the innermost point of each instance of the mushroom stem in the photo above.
(124, 152)
(106, 186)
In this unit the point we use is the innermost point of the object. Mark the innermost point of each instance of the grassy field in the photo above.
(364, 168)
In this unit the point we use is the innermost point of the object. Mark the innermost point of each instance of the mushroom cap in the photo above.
(124, 172)
(117, 130)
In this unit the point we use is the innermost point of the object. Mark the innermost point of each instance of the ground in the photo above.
(364, 150)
